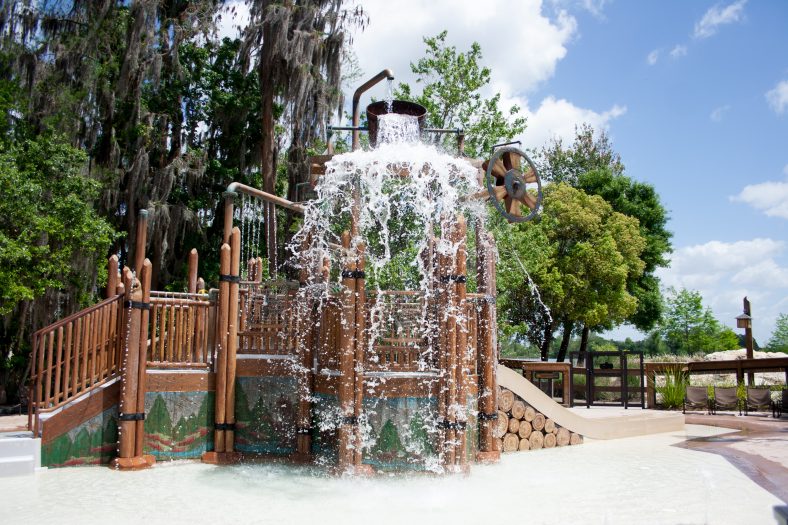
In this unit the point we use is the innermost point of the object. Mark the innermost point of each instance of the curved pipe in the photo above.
(237, 187)
(387, 74)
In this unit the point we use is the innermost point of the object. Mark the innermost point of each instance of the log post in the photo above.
(142, 239)
(303, 308)
(462, 370)
(145, 278)
(129, 411)
(193, 264)
(485, 278)
(229, 197)
(221, 357)
(346, 398)
(113, 277)
(232, 338)
(358, 365)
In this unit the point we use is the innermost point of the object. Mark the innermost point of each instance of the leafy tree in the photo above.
(590, 164)
(779, 339)
(688, 327)
(451, 92)
(580, 254)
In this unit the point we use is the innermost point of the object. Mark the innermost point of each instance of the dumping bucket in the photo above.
(401, 107)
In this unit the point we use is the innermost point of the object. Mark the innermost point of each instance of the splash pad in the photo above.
(371, 346)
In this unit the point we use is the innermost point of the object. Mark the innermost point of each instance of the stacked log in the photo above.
(521, 427)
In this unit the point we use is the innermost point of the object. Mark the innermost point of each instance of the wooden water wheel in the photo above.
(507, 178)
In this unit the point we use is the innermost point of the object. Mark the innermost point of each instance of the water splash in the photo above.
(394, 128)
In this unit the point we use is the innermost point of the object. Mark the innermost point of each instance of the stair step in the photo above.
(17, 465)
(10, 447)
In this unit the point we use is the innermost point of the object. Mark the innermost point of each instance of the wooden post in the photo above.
(748, 340)
(358, 366)
(232, 338)
(485, 278)
(145, 278)
(142, 239)
(221, 358)
(462, 370)
(193, 269)
(306, 324)
(130, 413)
(229, 197)
(345, 395)
(113, 277)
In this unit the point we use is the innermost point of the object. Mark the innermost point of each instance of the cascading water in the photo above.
(403, 193)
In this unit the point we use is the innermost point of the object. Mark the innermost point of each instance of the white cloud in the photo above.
(595, 7)
(770, 197)
(725, 272)
(557, 118)
(678, 51)
(717, 114)
(717, 16)
(778, 97)
(653, 57)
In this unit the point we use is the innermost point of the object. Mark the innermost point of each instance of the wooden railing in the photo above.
(76, 354)
(181, 330)
(268, 321)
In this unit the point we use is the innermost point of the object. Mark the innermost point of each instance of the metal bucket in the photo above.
(401, 107)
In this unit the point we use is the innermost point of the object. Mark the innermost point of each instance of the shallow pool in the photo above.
(634, 480)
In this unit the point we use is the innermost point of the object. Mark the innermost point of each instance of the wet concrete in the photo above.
(759, 449)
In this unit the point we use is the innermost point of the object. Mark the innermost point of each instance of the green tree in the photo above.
(451, 92)
(591, 164)
(580, 254)
(779, 340)
(688, 327)
(388, 441)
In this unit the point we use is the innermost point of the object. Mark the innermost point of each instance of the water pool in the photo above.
(634, 480)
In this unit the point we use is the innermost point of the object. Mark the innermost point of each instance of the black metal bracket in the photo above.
(134, 416)
(353, 274)
(459, 279)
(303, 430)
(519, 143)
(349, 420)
(136, 304)
(229, 278)
(487, 417)
(452, 425)
(224, 426)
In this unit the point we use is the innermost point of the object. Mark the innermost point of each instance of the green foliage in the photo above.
(388, 440)
(688, 327)
(674, 388)
(590, 164)
(47, 221)
(451, 92)
(580, 254)
(779, 339)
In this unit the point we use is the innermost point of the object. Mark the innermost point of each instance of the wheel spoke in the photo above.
(511, 160)
(529, 176)
(513, 207)
(529, 201)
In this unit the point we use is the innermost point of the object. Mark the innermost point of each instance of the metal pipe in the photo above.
(387, 74)
(236, 187)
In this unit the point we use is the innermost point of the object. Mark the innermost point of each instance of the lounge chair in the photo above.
(726, 399)
(758, 398)
(780, 406)
(696, 397)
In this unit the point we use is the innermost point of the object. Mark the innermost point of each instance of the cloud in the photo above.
(717, 114)
(778, 97)
(557, 118)
(678, 51)
(725, 272)
(653, 57)
(718, 16)
(769, 197)
(595, 7)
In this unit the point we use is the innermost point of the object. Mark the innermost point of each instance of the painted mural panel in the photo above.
(178, 425)
(94, 442)
(265, 414)
(325, 421)
(401, 433)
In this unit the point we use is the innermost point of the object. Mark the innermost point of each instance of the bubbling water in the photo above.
(394, 128)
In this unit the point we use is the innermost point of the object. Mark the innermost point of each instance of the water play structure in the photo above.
(369, 343)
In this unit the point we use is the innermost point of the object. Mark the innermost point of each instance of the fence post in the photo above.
(193, 264)
(303, 306)
(461, 360)
(360, 298)
(232, 340)
(112, 276)
(145, 279)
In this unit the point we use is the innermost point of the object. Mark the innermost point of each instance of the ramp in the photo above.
(639, 423)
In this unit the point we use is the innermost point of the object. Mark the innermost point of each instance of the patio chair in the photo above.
(758, 398)
(696, 397)
(726, 399)
(780, 406)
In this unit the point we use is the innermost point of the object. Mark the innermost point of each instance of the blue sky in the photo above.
(693, 94)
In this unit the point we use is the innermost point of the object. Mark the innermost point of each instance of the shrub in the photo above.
(673, 390)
